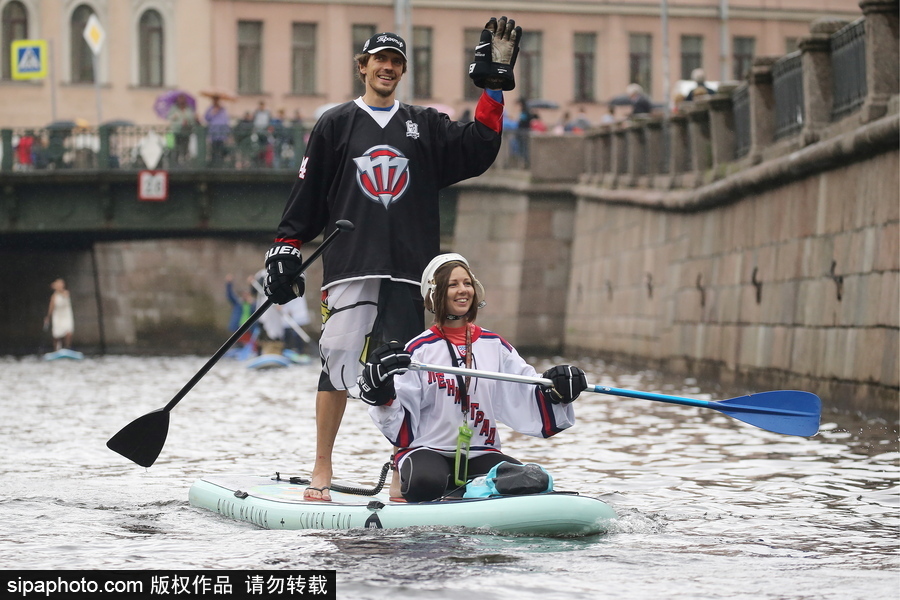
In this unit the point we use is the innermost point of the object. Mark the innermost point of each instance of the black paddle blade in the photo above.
(789, 412)
(142, 440)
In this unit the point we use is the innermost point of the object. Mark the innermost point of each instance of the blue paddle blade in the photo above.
(789, 412)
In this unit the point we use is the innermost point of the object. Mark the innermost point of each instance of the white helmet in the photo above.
(428, 283)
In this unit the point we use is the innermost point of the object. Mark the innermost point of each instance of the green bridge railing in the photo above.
(65, 145)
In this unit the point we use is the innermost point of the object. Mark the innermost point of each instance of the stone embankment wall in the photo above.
(797, 286)
(770, 261)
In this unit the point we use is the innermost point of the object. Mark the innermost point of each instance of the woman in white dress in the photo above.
(59, 315)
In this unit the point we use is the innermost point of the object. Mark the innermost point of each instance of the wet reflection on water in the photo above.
(709, 507)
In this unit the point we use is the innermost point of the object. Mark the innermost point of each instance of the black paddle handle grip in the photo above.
(342, 225)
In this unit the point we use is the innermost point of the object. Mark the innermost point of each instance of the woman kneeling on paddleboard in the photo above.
(445, 426)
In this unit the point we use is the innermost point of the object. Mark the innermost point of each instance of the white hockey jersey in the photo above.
(426, 412)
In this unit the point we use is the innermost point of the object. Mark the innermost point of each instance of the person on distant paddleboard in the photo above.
(380, 164)
(421, 412)
(59, 316)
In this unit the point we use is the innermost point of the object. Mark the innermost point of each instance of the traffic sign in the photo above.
(29, 59)
(153, 186)
(94, 34)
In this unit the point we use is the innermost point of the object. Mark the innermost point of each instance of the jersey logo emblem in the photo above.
(412, 130)
(382, 174)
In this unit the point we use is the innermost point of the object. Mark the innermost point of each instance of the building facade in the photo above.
(296, 55)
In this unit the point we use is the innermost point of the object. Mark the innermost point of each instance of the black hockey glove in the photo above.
(496, 54)
(376, 384)
(283, 263)
(568, 382)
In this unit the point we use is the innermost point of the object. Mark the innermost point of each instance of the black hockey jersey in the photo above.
(382, 171)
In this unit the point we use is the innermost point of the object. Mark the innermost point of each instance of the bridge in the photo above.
(86, 189)
(57, 208)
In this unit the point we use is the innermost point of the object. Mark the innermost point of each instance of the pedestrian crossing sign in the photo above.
(29, 59)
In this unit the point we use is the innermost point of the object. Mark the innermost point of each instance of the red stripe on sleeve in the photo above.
(293, 242)
(405, 437)
(548, 420)
(489, 112)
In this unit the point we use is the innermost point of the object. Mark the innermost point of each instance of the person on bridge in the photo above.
(420, 411)
(380, 164)
(59, 317)
(182, 120)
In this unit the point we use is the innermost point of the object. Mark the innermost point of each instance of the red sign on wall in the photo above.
(153, 186)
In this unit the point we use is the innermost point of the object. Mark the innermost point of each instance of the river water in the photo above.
(709, 507)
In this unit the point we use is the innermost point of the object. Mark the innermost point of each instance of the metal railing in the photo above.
(149, 147)
(787, 84)
(740, 99)
(848, 63)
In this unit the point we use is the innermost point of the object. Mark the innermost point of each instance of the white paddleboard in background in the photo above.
(269, 361)
(64, 353)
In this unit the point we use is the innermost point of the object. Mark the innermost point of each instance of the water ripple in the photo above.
(709, 507)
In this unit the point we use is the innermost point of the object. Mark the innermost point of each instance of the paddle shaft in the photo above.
(252, 319)
(602, 389)
(417, 366)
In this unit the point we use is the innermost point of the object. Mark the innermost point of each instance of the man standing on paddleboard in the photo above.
(380, 164)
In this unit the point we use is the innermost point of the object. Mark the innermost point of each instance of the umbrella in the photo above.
(540, 103)
(218, 94)
(443, 108)
(119, 123)
(164, 102)
(322, 109)
(62, 125)
(621, 100)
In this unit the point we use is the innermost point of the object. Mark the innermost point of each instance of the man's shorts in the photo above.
(357, 317)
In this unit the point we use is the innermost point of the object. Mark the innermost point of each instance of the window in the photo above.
(421, 62)
(15, 27)
(249, 57)
(691, 54)
(585, 45)
(471, 39)
(791, 44)
(303, 59)
(529, 65)
(359, 35)
(151, 49)
(82, 57)
(744, 49)
(639, 53)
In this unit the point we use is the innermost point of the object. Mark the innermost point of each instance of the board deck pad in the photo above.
(273, 503)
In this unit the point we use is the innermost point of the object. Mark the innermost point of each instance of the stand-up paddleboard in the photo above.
(297, 358)
(64, 353)
(274, 503)
(269, 361)
(277, 361)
